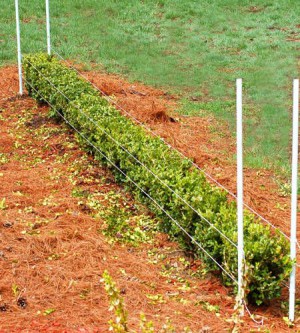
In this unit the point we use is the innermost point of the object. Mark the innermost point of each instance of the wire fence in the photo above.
(111, 100)
(143, 165)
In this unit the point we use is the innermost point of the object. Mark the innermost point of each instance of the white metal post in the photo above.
(19, 48)
(239, 140)
(48, 27)
(294, 197)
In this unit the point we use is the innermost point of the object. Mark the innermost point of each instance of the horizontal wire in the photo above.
(141, 189)
(260, 323)
(137, 160)
(149, 169)
(286, 285)
(108, 98)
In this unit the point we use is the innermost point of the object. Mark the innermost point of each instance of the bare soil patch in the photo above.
(52, 251)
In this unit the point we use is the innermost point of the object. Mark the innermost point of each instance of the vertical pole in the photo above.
(48, 27)
(19, 47)
(294, 197)
(239, 131)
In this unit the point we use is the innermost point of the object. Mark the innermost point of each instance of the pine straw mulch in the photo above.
(53, 253)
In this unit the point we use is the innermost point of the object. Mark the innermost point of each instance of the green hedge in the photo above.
(266, 254)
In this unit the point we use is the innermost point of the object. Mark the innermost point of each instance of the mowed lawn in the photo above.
(193, 48)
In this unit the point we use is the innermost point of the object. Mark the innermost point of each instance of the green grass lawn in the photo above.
(195, 48)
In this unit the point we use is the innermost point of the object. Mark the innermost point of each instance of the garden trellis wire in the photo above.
(292, 238)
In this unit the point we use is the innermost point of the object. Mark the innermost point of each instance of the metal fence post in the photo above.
(19, 48)
(48, 27)
(239, 140)
(294, 197)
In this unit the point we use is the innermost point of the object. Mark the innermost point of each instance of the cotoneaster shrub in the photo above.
(266, 254)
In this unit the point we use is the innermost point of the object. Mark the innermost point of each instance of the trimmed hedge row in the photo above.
(266, 255)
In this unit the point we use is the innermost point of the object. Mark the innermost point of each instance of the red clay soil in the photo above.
(52, 251)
